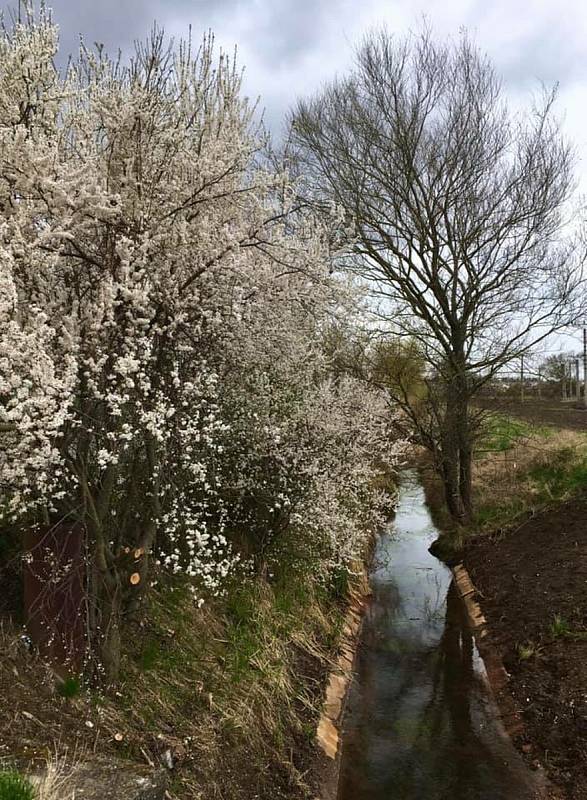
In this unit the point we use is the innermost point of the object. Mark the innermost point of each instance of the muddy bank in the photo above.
(532, 585)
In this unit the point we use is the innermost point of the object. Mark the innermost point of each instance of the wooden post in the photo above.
(577, 386)
(55, 601)
(522, 378)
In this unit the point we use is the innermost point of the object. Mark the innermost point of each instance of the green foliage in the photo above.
(339, 583)
(14, 786)
(399, 365)
(259, 620)
(69, 688)
(171, 625)
(240, 608)
(559, 626)
(148, 657)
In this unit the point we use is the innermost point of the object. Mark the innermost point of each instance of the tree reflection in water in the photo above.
(420, 725)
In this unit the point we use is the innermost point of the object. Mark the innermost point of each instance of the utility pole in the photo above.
(577, 386)
(539, 383)
(570, 381)
(522, 378)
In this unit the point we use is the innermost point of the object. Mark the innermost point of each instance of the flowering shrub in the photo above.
(164, 299)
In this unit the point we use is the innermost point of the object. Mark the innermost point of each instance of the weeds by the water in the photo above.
(226, 688)
(248, 669)
(69, 688)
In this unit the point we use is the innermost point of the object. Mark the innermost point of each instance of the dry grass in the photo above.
(52, 783)
(228, 694)
(538, 468)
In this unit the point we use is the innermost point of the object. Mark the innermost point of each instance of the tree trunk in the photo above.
(451, 475)
(457, 451)
(465, 464)
(105, 612)
(465, 452)
(110, 639)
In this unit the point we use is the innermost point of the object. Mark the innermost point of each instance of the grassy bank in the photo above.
(227, 695)
(521, 468)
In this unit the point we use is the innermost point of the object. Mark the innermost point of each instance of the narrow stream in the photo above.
(420, 723)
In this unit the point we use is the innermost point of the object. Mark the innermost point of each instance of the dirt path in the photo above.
(524, 579)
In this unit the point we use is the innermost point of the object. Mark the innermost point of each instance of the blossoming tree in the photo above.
(163, 303)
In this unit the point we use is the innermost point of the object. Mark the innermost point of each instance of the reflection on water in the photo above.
(419, 724)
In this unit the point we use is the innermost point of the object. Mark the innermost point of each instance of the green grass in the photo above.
(541, 470)
(501, 433)
(498, 514)
(564, 474)
(528, 650)
(257, 621)
(149, 656)
(559, 626)
(14, 786)
(235, 646)
(69, 688)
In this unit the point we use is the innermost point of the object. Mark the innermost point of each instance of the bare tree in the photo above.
(554, 368)
(456, 211)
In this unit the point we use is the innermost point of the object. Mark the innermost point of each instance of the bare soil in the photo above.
(542, 412)
(524, 578)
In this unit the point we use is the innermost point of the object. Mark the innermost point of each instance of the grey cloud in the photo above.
(548, 55)
(118, 23)
(290, 46)
(286, 30)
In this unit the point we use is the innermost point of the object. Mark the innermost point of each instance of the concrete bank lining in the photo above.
(497, 676)
(329, 725)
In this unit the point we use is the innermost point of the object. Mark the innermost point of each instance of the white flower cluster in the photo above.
(163, 309)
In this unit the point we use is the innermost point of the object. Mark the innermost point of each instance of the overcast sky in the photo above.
(289, 47)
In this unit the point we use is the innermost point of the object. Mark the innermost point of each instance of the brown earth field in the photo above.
(542, 412)
(532, 587)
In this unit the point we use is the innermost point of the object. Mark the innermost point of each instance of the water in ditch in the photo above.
(420, 723)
